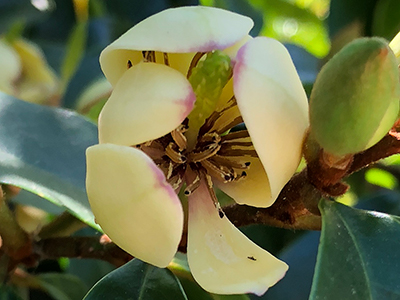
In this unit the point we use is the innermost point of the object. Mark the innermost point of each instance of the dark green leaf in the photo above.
(386, 21)
(62, 286)
(300, 256)
(359, 255)
(42, 150)
(137, 280)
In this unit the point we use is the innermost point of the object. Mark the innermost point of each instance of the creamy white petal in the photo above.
(10, 67)
(221, 258)
(133, 203)
(252, 190)
(395, 45)
(149, 101)
(273, 105)
(38, 83)
(176, 30)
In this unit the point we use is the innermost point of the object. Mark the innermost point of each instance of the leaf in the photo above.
(300, 256)
(386, 22)
(75, 51)
(137, 280)
(42, 150)
(62, 286)
(359, 255)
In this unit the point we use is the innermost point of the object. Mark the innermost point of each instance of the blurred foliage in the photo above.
(42, 151)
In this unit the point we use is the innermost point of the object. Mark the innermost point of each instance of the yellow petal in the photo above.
(133, 203)
(10, 67)
(252, 190)
(175, 30)
(149, 101)
(395, 45)
(38, 82)
(222, 259)
(273, 105)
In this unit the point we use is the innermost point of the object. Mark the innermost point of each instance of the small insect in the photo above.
(251, 258)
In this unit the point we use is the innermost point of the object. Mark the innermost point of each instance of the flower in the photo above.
(166, 125)
(395, 45)
(25, 73)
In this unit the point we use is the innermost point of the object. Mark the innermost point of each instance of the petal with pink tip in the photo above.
(149, 101)
(176, 30)
(273, 105)
(251, 190)
(221, 258)
(133, 203)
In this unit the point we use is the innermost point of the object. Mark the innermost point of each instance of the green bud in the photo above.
(355, 99)
(208, 79)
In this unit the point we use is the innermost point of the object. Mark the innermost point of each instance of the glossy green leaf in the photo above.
(291, 24)
(75, 50)
(42, 150)
(386, 21)
(359, 255)
(137, 280)
(62, 286)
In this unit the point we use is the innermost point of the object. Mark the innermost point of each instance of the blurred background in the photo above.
(58, 43)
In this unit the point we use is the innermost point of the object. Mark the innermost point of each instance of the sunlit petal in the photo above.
(273, 105)
(10, 67)
(149, 101)
(38, 82)
(253, 189)
(176, 30)
(222, 259)
(133, 203)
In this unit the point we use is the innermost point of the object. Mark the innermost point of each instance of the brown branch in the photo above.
(290, 210)
(81, 247)
(297, 204)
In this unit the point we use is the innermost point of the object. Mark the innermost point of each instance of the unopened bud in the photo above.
(355, 99)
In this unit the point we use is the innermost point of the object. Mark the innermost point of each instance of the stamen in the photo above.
(149, 56)
(237, 152)
(232, 163)
(235, 135)
(175, 181)
(170, 170)
(223, 173)
(193, 186)
(236, 144)
(179, 137)
(211, 120)
(211, 190)
(233, 123)
(211, 150)
(194, 62)
(166, 60)
(174, 155)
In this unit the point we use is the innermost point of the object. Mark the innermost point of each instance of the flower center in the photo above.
(203, 143)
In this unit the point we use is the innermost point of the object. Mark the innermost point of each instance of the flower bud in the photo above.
(355, 99)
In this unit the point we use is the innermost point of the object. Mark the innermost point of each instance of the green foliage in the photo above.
(355, 99)
(358, 256)
(62, 286)
(43, 151)
(137, 280)
(386, 21)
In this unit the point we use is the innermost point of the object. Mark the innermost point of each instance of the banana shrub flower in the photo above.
(395, 45)
(25, 73)
(166, 130)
